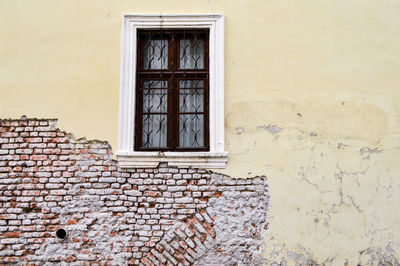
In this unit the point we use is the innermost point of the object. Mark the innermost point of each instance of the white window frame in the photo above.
(217, 156)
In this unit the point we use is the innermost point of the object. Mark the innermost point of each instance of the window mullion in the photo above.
(175, 118)
(171, 94)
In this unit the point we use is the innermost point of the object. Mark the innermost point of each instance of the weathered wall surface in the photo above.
(334, 180)
(160, 216)
(312, 102)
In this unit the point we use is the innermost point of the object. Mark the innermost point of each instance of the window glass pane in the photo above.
(154, 96)
(191, 55)
(155, 84)
(191, 96)
(191, 130)
(155, 54)
(154, 133)
(191, 100)
(191, 84)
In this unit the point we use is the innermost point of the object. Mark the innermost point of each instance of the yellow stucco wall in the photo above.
(312, 101)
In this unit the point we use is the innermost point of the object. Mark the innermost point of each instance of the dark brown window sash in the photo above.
(172, 74)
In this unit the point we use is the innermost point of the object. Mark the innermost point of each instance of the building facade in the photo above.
(293, 162)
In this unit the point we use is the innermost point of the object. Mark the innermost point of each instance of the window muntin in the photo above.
(173, 117)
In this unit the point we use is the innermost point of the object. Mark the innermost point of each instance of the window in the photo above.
(172, 91)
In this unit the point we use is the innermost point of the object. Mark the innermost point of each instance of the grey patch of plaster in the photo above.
(377, 256)
(305, 257)
(341, 146)
(271, 128)
(313, 134)
(300, 259)
(282, 263)
(240, 222)
(300, 256)
(239, 130)
(367, 151)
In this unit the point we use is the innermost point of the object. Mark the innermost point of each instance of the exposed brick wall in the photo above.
(157, 216)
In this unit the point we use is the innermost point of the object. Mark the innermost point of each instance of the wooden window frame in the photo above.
(173, 74)
(216, 156)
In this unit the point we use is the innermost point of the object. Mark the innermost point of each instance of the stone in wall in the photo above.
(157, 216)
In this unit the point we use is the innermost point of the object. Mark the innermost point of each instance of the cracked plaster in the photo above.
(333, 180)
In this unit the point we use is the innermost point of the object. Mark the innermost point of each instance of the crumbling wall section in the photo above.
(157, 216)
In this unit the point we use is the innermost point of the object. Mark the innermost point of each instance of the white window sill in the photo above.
(178, 159)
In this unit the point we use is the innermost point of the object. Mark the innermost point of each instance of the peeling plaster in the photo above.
(366, 152)
(349, 205)
(152, 216)
(271, 128)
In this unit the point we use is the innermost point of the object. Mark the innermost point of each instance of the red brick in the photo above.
(70, 259)
(12, 234)
(39, 157)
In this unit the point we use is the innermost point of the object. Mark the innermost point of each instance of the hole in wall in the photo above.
(61, 234)
(31, 209)
(27, 210)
